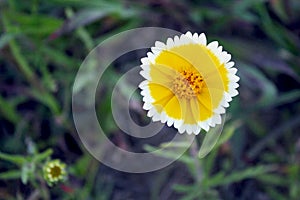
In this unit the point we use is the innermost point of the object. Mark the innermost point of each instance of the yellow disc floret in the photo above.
(187, 84)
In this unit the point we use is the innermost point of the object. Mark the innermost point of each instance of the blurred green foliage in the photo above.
(43, 43)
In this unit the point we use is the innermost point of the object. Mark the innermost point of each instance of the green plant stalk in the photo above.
(272, 136)
(274, 30)
(194, 149)
(81, 32)
(90, 179)
(43, 188)
(40, 93)
(24, 67)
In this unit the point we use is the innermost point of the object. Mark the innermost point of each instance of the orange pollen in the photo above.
(187, 84)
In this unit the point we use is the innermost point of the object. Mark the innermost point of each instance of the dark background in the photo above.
(42, 45)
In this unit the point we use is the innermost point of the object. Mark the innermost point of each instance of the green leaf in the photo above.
(47, 99)
(82, 18)
(172, 154)
(27, 172)
(209, 162)
(59, 58)
(280, 9)
(213, 180)
(9, 111)
(196, 191)
(12, 174)
(273, 136)
(202, 194)
(259, 54)
(228, 132)
(258, 81)
(276, 31)
(16, 159)
(79, 168)
(274, 194)
(82, 33)
(183, 188)
(24, 174)
(273, 179)
(242, 9)
(36, 25)
(285, 98)
(5, 38)
(252, 172)
(43, 156)
(182, 144)
(111, 7)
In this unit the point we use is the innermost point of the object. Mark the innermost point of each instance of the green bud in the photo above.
(54, 172)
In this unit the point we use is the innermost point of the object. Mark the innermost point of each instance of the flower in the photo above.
(189, 83)
(54, 171)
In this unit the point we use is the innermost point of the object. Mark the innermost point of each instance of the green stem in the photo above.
(194, 149)
(42, 187)
(94, 165)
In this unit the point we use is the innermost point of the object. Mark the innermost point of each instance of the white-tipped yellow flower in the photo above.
(54, 172)
(189, 83)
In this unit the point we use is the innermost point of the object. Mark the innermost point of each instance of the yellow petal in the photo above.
(214, 77)
(161, 74)
(205, 105)
(188, 114)
(195, 108)
(161, 95)
(171, 59)
(172, 108)
(192, 56)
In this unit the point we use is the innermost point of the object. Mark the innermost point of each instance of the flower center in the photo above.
(55, 172)
(187, 84)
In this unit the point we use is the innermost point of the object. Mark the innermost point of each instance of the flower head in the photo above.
(189, 83)
(54, 172)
